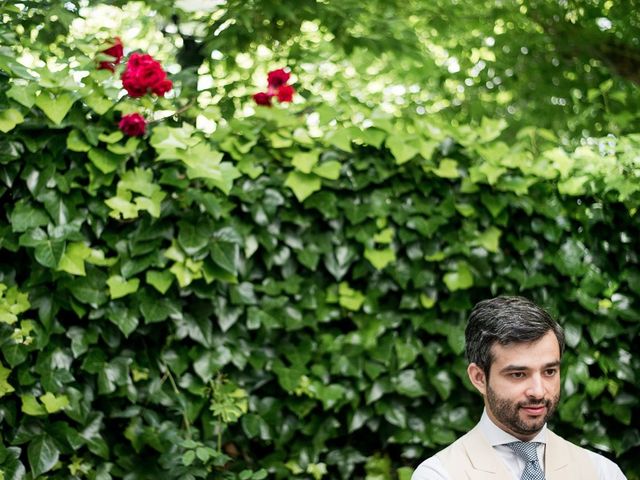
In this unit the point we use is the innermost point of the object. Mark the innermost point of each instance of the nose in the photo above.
(535, 388)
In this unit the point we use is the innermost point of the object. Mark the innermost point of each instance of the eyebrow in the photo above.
(512, 368)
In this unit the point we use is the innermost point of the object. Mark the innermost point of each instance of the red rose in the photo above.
(163, 87)
(116, 51)
(262, 98)
(277, 78)
(133, 125)
(143, 75)
(285, 93)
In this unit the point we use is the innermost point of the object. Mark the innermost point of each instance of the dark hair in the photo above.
(506, 320)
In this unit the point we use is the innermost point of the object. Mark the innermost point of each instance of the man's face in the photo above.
(523, 388)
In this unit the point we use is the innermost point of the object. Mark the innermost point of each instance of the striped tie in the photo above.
(527, 451)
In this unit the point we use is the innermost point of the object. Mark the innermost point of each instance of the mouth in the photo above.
(534, 410)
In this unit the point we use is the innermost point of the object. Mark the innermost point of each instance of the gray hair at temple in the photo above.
(506, 320)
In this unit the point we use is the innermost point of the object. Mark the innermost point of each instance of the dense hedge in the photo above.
(286, 296)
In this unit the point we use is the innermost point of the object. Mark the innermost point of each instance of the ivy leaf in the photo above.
(401, 148)
(305, 161)
(349, 298)
(329, 170)
(9, 119)
(303, 184)
(407, 383)
(43, 454)
(340, 138)
(203, 162)
(25, 217)
(461, 279)
(448, 168)
(123, 318)
(490, 239)
(76, 142)
(30, 406)
(55, 107)
(24, 94)
(49, 252)
(104, 160)
(72, 260)
(161, 281)
(119, 287)
(5, 386)
(379, 258)
(53, 403)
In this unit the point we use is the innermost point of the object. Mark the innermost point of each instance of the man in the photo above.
(514, 350)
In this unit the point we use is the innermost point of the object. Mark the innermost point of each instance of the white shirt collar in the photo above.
(496, 436)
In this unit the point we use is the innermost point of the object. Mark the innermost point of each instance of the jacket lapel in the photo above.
(484, 460)
(557, 458)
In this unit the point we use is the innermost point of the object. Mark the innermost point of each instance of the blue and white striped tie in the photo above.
(527, 451)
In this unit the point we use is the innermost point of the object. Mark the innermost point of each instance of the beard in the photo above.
(508, 412)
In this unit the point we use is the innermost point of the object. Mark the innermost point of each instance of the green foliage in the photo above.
(283, 295)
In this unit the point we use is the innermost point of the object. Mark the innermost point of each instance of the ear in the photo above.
(477, 378)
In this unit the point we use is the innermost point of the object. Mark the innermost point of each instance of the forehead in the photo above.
(527, 354)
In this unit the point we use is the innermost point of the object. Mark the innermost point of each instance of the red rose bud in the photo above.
(277, 78)
(285, 93)
(116, 51)
(262, 98)
(145, 75)
(133, 125)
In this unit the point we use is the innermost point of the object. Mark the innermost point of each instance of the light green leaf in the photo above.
(573, 185)
(121, 206)
(491, 172)
(161, 281)
(53, 403)
(329, 170)
(9, 119)
(203, 162)
(5, 386)
(373, 136)
(490, 239)
(98, 103)
(461, 279)
(490, 129)
(55, 107)
(379, 258)
(119, 287)
(127, 149)
(139, 180)
(30, 406)
(112, 137)
(76, 142)
(72, 261)
(341, 138)
(303, 184)
(385, 236)
(402, 148)
(349, 298)
(106, 161)
(305, 161)
(448, 168)
(24, 94)
(426, 301)
(152, 204)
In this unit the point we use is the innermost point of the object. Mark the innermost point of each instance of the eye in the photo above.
(550, 372)
(517, 374)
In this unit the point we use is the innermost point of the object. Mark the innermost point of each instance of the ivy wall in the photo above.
(285, 296)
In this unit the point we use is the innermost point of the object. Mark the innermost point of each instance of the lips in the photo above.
(534, 410)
